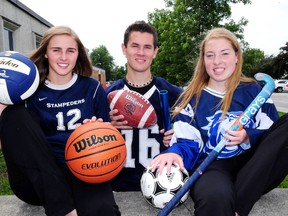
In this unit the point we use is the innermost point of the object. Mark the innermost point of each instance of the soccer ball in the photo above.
(159, 189)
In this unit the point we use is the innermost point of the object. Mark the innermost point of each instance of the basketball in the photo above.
(19, 77)
(95, 152)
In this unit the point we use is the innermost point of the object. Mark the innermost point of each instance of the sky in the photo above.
(103, 22)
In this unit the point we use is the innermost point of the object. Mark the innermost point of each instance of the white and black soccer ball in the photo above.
(19, 77)
(159, 189)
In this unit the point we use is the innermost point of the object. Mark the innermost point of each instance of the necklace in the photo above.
(139, 85)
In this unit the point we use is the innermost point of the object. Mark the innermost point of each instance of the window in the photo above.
(8, 40)
(9, 29)
(38, 39)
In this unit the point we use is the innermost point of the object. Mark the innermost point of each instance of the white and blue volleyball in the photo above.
(19, 77)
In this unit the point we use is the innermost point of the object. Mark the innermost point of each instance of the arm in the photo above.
(260, 123)
(185, 153)
(263, 121)
(186, 146)
(2, 107)
(250, 135)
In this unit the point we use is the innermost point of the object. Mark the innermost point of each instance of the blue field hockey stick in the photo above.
(249, 112)
(166, 109)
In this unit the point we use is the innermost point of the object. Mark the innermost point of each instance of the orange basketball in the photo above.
(95, 152)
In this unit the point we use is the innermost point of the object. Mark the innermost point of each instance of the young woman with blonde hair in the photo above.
(254, 160)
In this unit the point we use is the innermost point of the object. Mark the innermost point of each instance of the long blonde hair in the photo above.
(200, 78)
(83, 64)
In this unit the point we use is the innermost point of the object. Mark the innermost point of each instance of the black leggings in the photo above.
(37, 179)
(236, 184)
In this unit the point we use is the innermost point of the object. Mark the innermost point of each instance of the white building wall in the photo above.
(29, 24)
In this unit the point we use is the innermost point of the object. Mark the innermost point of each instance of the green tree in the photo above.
(252, 58)
(100, 57)
(181, 26)
(275, 66)
(118, 72)
(280, 67)
(265, 66)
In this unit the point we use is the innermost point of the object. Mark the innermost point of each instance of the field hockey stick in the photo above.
(166, 109)
(249, 112)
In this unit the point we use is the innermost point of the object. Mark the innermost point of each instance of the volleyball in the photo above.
(19, 77)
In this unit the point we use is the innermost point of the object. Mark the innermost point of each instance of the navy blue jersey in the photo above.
(143, 144)
(196, 135)
(61, 108)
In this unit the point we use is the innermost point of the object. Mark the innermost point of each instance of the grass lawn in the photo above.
(6, 190)
(4, 184)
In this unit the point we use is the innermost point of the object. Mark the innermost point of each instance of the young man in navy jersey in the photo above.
(140, 48)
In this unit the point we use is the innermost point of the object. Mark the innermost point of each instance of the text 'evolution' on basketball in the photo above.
(102, 163)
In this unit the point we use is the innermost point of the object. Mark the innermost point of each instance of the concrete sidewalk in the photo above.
(274, 203)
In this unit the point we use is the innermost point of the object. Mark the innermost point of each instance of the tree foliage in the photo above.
(100, 57)
(280, 68)
(252, 58)
(276, 67)
(181, 26)
(118, 73)
(265, 66)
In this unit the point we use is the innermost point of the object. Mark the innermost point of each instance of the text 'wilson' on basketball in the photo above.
(92, 140)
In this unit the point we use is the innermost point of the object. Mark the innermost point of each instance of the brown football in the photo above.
(136, 109)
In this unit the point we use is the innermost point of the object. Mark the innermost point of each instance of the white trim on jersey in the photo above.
(62, 87)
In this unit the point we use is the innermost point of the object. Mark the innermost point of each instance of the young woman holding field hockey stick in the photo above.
(254, 159)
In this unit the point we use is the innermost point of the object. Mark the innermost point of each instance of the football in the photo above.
(19, 77)
(136, 109)
(158, 190)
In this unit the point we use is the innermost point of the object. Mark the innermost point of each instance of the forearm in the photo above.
(189, 151)
(2, 107)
